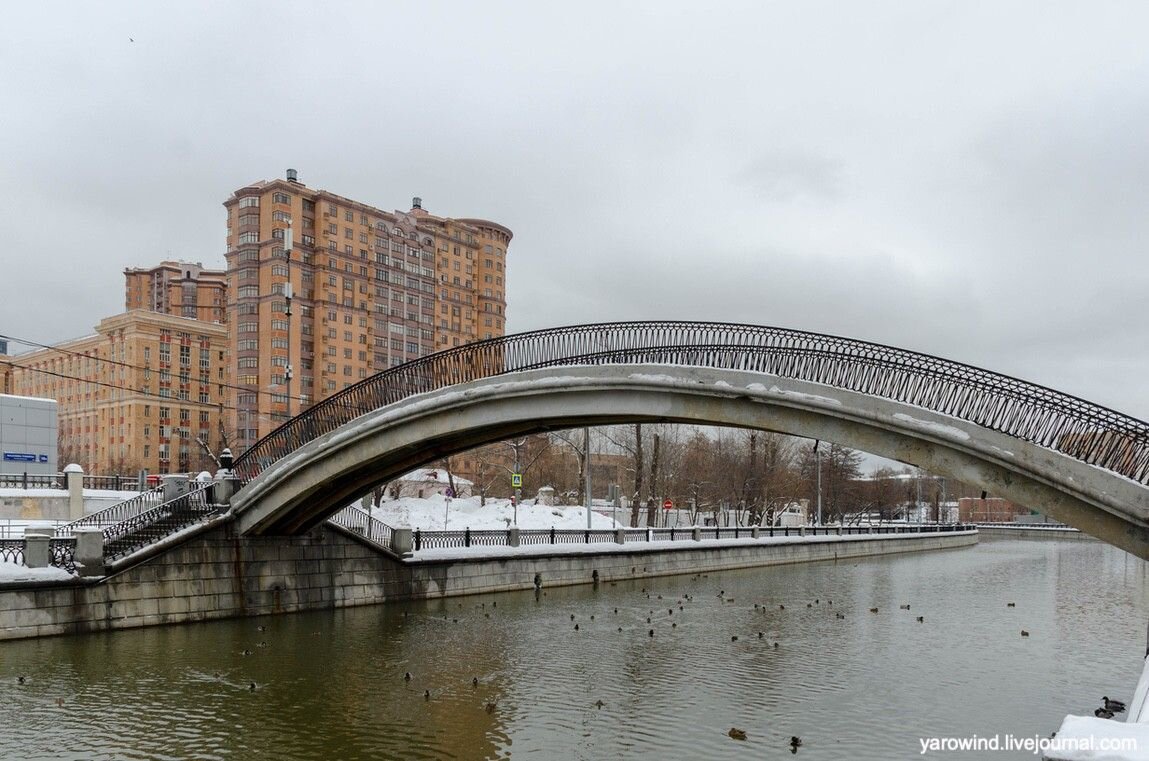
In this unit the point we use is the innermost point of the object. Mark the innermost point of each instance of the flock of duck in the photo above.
(1107, 710)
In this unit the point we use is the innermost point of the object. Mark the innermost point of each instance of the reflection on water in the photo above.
(867, 686)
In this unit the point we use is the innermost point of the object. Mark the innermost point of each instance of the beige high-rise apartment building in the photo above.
(136, 395)
(324, 291)
(184, 289)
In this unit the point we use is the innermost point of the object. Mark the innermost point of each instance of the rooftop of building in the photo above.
(416, 211)
(118, 321)
(179, 265)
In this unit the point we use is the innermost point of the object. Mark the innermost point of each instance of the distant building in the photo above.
(429, 482)
(135, 395)
(182, 289)
(369, 289)
(607, 470)
(27, 435)
(988, 510)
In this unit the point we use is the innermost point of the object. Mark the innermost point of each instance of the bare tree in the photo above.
(841, 467)
(505, 458)
(638, 466)
(629, 440)
(576, 444)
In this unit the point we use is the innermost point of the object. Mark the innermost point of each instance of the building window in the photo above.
(248, 202)
(281, 198)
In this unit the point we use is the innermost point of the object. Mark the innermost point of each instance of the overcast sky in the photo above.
(970, 180)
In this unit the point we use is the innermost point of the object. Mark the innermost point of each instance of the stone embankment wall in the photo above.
(1034, 532)
(218, 575)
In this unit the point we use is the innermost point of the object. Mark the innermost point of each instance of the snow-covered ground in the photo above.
(429, 515)
(10, 572)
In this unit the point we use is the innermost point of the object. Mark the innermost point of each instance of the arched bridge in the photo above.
(1076, 461)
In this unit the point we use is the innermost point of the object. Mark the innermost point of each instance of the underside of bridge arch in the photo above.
(301, 490)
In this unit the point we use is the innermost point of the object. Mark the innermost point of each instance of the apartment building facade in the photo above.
(183, 289)
(324, 291)
(135, 395)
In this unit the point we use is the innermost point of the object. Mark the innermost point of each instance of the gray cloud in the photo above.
(959, 180)
(792, 176)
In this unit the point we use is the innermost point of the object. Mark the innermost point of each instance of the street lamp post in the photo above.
(818, 467)
(287, 245)
(586, 473)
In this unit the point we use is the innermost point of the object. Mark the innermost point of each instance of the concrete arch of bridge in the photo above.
(321, 477)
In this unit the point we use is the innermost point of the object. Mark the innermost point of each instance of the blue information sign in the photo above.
(19, 457)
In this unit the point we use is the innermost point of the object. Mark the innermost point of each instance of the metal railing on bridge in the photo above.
(32, 481)
(60, 481)
(144, 519)
(113, 483)
(365, 525)
(62, 552)
(427, 540)
(117, 513)
(126, 527)
(159, 522)
(1067, 424)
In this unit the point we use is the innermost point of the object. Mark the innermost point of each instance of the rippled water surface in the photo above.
(331, 685)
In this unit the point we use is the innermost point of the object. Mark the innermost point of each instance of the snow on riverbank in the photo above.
(428, 515)
(10, 572)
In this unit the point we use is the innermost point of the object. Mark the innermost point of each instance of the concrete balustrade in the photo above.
(74, 475)
(37, 552)
(402, 541)
(89, 551)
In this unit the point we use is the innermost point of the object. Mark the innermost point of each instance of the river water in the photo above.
(331, 685)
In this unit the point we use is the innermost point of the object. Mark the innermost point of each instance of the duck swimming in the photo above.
(1113, 705)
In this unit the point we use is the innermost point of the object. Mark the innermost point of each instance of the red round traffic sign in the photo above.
(667, 504)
